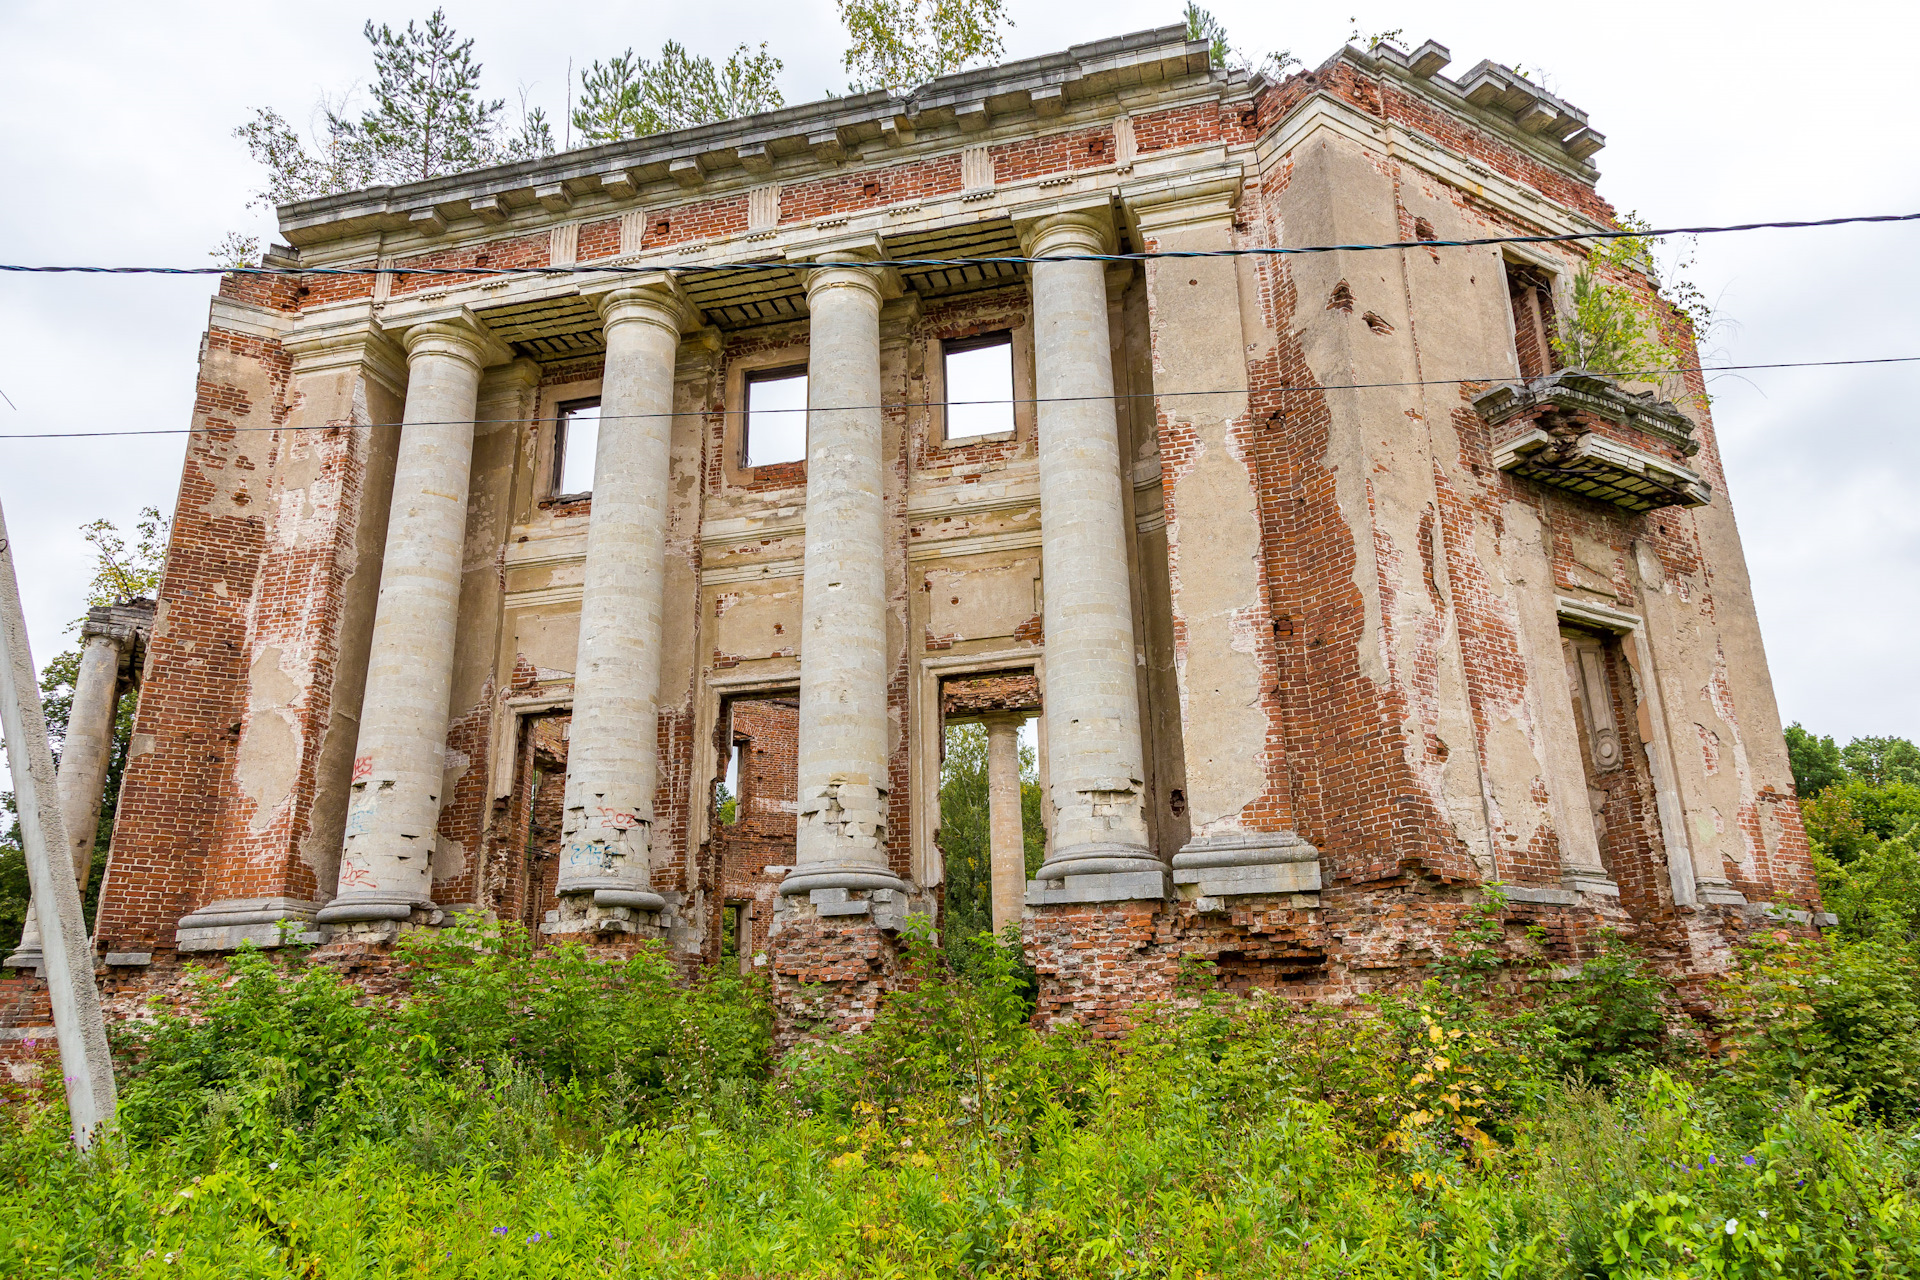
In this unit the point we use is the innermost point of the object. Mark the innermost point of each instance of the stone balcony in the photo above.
(1583, 433)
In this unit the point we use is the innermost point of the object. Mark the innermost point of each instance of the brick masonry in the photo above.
(1411, 692)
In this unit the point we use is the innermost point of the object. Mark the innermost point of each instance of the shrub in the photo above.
(1608, 1022)
(1805, 1013)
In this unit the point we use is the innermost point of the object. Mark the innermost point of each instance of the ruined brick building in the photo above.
(1333, 598)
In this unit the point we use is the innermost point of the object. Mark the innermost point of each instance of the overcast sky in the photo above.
(115, 140)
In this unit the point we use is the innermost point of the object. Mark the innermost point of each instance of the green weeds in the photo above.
(525, 1113)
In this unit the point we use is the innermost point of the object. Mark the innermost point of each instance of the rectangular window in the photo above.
(979, 386)
(776, 417)
(576, 438)
(1530, 290)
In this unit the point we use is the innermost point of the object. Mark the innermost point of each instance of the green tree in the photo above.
(1202, 25)
(1881, 762)
(428, 118)
(629, 97)
(899, 44)
(1816, 761)
(964, 829)
(121, 572)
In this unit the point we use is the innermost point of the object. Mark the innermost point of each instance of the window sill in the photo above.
(992, 437)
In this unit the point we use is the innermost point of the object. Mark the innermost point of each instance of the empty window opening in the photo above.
(1609, 747)
(530, 865)
(1530, 290)
(968, 813)
(576, 439)
(979, 384)
(776, 417)
(726, 800)
(736, 937)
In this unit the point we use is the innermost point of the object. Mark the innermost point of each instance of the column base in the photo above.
(889, 909)
(585, 911)
(1245, 864)
(229, 923)
(373, 908)
(1099, 886)
(1720, 893)
(847, 877)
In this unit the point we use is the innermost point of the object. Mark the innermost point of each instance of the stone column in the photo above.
(105, 648)
(613, 754)
(1006, 836)
(842, 840)
(1098, 851)
(386, 864)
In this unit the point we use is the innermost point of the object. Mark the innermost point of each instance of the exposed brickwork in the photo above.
(193, 697)
(828, 976)
(518, 251)
(963, 696)
(598, 240)
(1405, 715)
(766, 732)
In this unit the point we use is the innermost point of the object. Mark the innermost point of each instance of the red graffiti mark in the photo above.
(619, 819)
(352, 873)
(362, 768)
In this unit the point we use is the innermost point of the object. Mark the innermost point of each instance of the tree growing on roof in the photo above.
(898, 44)
(428, 118)
(1202, 25)
(630, 97)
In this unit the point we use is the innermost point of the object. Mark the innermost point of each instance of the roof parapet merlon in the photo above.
(1500, 91)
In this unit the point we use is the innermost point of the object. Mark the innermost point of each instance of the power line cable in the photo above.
(924, 404)
(588, 268)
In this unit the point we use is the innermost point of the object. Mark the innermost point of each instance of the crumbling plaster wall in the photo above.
(194, 690)
(1351, 323)
(1340, 607)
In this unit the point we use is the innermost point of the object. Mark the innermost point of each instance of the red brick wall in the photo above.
(194, 696)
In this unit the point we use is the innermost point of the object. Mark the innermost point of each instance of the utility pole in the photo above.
(68, 957)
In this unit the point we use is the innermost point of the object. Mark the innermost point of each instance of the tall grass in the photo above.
(545, 1113)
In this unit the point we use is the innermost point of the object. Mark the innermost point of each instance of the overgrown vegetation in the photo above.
(537, 1113)
(429, 117)
(1631, 318)
(965, 827)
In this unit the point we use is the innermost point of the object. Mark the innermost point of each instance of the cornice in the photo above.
(1208, 193)
(781, 144)
(1321, 111)
(1572, 389)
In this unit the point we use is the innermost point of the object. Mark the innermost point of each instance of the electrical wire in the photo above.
(896, 405)
(588, 268)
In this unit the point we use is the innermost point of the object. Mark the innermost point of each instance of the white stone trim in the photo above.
(1632, 630)
(923, 762)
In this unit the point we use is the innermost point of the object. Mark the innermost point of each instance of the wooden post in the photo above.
(68, 957)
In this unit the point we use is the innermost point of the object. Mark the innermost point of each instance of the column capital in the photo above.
(454, 332)
(324, 344)
(123, 623)
(654, 297)
(1205, 198)
(1074, 224)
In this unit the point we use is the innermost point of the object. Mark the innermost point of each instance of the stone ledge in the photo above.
(1246, 863)
(1107, 886)
(230, 923)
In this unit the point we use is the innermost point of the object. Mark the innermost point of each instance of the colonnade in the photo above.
(1094, 746)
